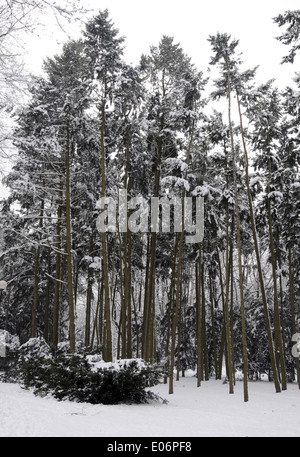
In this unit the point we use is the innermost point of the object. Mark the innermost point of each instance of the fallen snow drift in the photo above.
(191, 412)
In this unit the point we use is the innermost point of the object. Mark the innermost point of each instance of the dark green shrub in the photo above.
(78, 378)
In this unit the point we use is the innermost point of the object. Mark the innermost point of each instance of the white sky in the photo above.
(190, 22)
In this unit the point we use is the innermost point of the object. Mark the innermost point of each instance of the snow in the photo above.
(97, 363)
(254, 181)
(296, 184)
(207, 411)
(275, 194)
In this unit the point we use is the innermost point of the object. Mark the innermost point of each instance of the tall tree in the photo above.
(104, 49)
(171, 76)
(265, 112)
(224, 50)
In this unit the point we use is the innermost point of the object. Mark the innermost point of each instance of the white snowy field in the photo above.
(207, 411)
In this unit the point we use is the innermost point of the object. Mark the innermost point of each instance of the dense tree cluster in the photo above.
(96, 127)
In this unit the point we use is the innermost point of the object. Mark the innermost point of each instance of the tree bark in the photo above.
(238, 234)
(69, 252)
(277, 321)
(258, 259)
(107, 339)
(36, 276)
(58, 276)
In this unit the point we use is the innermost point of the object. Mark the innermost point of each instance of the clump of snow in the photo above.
(97, 363)
(176, 182)
(296, 185)
(254, 181)
(276, 194)
(35, 348)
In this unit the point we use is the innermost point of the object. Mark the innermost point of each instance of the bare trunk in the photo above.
(71, 301)
(238, 234)
(36, 277)
(107, 337)
(258, 260)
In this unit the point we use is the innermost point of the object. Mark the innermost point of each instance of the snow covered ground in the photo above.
(207, 411)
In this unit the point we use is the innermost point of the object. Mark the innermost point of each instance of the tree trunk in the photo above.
(203, 322)
(107, 337)
(179, 271)
(292, 287)
(149, 336)
(47, 304)
(89, 297)
(212, 311)
(176, 311)
(36, 276)
(258, 260)
(238, 234)
(69, 246)
(277, 321)
(226, 309)
(171, 306)
(58, 276)
(198, 321)
(127, 253)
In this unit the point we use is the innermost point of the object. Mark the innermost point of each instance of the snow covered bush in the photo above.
(35, 348)
(34, 355)
(87, 378)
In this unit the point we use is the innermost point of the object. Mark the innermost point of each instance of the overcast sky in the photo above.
(190, 22)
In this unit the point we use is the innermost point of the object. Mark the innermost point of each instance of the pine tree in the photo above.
(291, 19)
(104, 50)
(265, 115)
(224, 54)
(172, 78)
(47, 133)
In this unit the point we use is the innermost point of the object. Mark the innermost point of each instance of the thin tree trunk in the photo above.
(136, 327)
(179, 340)
(179, 271)
(36, 276)
(238, 231)
(231, 296)
(35, 293)
(47, 304)
(226, 308)
(258, 259)
(89, 296)
(146, 302)
(198, 320)
(58, 276)
(127, 253)
(8, 298)
(123, 313)
(107, 348)
(292, 287)
(171, 306)
(71, 302)
(148, 337)
(175, 317)
(203, 322)
(277, 323)
(212, 311)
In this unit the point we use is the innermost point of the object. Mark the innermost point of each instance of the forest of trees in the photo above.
(95, 126)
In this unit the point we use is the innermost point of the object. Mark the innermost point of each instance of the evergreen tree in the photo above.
(224, 50)
(104, 50)
(290, 37)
